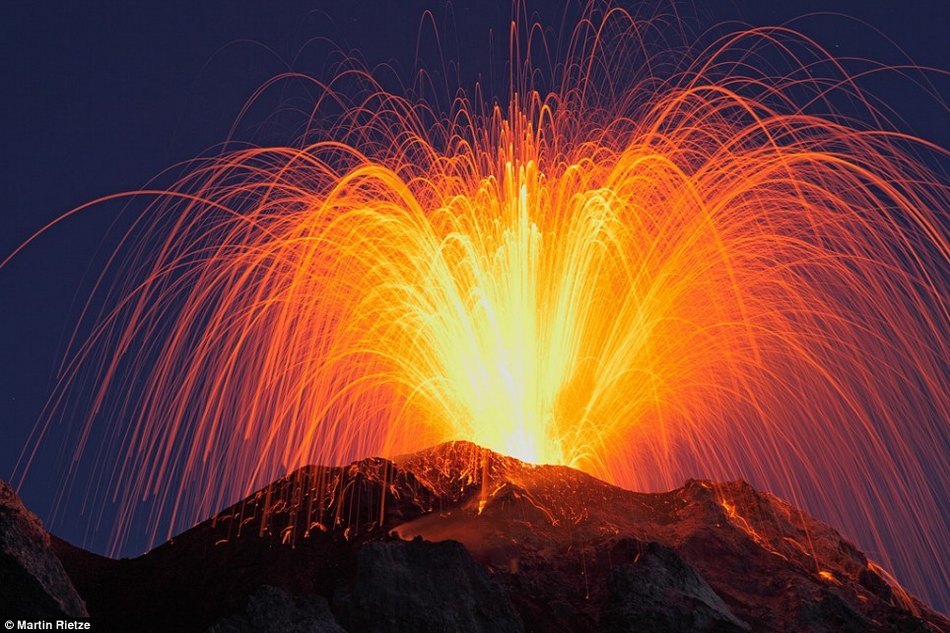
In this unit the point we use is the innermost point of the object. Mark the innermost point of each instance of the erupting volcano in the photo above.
(649, 263)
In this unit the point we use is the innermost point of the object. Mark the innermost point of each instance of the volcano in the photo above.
(458, 538)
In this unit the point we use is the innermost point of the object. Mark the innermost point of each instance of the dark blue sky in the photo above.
(99, 99)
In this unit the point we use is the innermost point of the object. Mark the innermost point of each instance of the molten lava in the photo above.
(649, 272)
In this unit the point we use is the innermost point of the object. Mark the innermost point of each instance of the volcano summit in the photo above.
(458, 538)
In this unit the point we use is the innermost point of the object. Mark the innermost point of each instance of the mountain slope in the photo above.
(546, 548)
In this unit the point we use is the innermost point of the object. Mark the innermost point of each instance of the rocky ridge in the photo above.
(459, 538)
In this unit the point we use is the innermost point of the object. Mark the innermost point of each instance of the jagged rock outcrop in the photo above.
(32, 579)
(659, 591)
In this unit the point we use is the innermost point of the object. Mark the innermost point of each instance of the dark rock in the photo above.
(270, 610)
(659, 591)
(419, 587)
(828, 613)
(32, 580)
(875, 584)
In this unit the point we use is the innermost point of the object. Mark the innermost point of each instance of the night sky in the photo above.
(100, 99)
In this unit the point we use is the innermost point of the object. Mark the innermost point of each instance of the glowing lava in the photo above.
(646, 274)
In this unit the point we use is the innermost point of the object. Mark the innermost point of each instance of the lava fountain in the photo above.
(654, 270)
